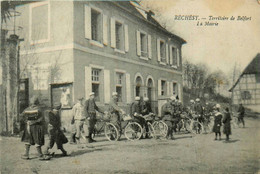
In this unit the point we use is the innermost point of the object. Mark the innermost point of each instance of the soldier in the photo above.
(199, 110)
(217, 122)
(32, 122)
(78, 118)
(146, 107)
(167, 114)
(55, 133)
(241, 114)
(114, 110)
(91, 108)
(136, 111)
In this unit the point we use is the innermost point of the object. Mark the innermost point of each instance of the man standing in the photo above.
(199, 111)
(32, 122)
(167, 114)
(91, 108)
(241, 114)
(78, 117)
(115, 111)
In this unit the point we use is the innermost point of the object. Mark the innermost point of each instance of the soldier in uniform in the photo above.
(114, 111)
(55, 133)
(90, 109)
(146, 107)
(32, 125)
(199, 110)
(167, 114)
(136, 111)
(241, 114)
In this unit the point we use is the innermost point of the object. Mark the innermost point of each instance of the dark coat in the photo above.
(226, 120)
(55, 134)
(217, 122)
(32, 125)
(135, 108)
(241, 111)
(146, 108)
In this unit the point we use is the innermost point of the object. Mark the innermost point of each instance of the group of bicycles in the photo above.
(154, 126)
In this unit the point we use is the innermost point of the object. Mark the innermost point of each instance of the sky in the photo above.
(220, 47)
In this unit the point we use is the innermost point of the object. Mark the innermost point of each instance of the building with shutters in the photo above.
(72, 48)
(246, 90)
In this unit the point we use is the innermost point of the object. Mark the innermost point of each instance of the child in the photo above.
(217, 122)
(55, 133)
(227, 126)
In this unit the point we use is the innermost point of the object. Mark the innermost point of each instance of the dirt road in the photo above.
(186, 154)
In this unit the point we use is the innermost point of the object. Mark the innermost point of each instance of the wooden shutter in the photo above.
(107, 86)
(105, 30)
(126, 38)
(88, 81)
(149, 47)
(113, 33)
(138, 43)
(179, 91)
(159, 87)
(167, 53)
(158, 50)
(170, 55)
(168, 88)
(87, 22)
(128, 88)
(178, 57)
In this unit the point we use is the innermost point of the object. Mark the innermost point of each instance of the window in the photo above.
(149, 89)
(39, 23)
(163, 87)
(95, 77)
(174, 56)
(162, 51)
(245, 95)
(96, 25)
(143, 38)
(119, 36)
(138, 83)
(119, 83)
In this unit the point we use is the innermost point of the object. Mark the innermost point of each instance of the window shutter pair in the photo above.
(88, 25)
(113, 35)
(138, 44)
(167, 53)
(158, 50)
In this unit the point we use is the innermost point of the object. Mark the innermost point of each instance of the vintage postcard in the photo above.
(145, 86)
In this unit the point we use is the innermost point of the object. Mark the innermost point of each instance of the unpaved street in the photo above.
(187, 154)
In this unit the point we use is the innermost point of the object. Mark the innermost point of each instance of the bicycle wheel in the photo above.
(188, 125)
(151, 132)
(111, 132)
(133, 131)
(160, 128)
(207, 128)
(196, 127)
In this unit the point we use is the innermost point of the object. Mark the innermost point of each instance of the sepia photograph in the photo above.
(130, 87)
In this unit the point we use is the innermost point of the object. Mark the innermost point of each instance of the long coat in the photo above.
(55, 134)
(217, 122)
(226, 120)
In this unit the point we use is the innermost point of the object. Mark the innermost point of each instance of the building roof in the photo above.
(252, 68)
(135, 8)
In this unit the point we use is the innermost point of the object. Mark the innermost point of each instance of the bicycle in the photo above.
(195, 126)
(148, 121)
(160, 127)
(108, 128)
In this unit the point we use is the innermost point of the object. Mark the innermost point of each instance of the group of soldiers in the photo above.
(84, 115)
